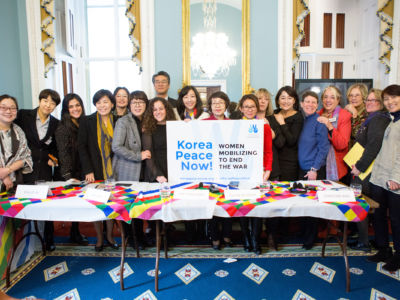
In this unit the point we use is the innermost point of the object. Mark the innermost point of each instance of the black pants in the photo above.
(138, 225)
(49, 232)
(310, 224)
(226, 228)
(387, 201)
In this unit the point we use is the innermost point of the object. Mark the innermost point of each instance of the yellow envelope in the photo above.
(354, 156)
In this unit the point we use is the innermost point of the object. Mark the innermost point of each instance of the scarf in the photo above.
(331, 167)
(104, 139)
(191, 115)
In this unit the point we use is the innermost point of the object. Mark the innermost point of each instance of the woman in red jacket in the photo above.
(338, 122)
(249, 107)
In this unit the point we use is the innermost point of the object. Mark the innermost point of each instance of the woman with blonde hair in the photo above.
(356, 95)
(338, 122)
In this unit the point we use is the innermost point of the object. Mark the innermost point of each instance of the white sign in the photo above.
(336, 195)
(97, 195)
(222, 151)
(242, 194)
(190, 195)
(32, 191)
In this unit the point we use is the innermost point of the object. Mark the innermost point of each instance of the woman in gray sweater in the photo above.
(385, 185)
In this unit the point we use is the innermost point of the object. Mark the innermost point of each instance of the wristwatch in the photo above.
(313, 169)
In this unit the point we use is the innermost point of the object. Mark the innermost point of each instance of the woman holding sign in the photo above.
(385, 185)
(154, 139)
(189, 104)
(249, 107)
(217, 105)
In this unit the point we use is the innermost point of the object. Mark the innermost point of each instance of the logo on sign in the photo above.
(253, 128)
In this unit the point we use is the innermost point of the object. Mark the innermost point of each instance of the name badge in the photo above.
(342, 195)
(332, 119)
(32, 191)
(97, 195)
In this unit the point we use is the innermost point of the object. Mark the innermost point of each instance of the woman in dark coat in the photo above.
(291, 123)
(39, 127)
(67, 146)
(94, 143)
(155, 139)
(370, 137)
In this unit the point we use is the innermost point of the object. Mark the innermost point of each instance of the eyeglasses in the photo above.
(6, 108)
(138, 103)
(249, 107)
(161, 82)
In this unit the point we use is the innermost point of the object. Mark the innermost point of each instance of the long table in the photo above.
(278, 202)
(142, 200)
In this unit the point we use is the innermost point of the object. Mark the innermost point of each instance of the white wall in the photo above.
(360, 55)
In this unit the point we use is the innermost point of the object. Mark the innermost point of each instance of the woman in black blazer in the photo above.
(67, 145)
(94, 145)
(40, 127)
(41, 146)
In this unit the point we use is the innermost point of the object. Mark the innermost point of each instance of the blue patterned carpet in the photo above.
(81, 275)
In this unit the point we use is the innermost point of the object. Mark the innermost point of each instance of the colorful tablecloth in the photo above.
(280, 201)
(67, 204)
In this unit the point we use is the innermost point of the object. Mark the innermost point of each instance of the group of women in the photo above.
(125, 139)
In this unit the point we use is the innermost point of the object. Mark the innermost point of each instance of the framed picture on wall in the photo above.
(70, 27)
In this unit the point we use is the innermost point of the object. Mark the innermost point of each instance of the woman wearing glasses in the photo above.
(15, 156)
(128, 155)
(369, 136)
(249, 107)
(217, 104)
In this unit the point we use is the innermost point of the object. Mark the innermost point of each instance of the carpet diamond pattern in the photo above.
(187, 273)
(55, 271)
(255, 273)
(115, 274)
(322, 272)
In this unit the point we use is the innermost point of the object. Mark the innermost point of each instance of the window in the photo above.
(327, 41)
(338, 70)
(109, 47)
(306, 39)
(340, 30)
(325, 69)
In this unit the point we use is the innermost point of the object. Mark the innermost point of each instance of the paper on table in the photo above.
(97, 195)
(354, 156)
(242, 194)
(336, 195)
(32, 191)
(197, 195)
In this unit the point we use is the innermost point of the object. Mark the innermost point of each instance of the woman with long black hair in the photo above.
(67, 146)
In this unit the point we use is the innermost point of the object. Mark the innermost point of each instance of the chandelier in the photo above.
(210, 53)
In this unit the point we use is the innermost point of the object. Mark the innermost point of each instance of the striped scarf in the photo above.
(331, 167)
(104, 139)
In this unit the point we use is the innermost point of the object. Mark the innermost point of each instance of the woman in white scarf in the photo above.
(15, 156)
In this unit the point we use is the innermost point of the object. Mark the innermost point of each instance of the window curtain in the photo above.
(47, 28)
(133, 14)
(300, 12)
(385, 14)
